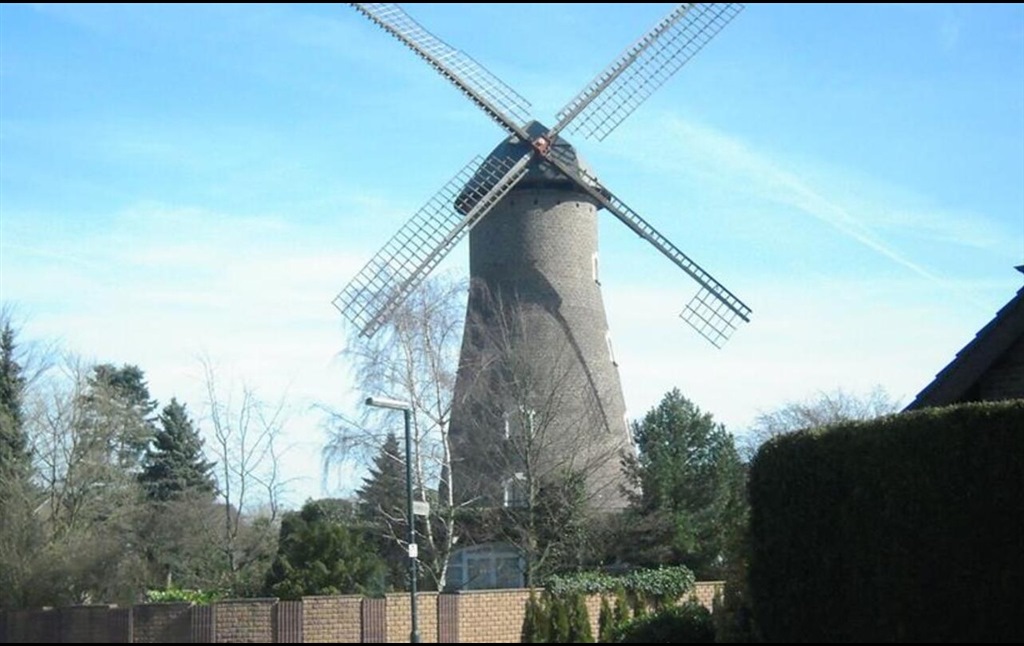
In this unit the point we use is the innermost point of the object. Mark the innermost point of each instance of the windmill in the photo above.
(530, 209)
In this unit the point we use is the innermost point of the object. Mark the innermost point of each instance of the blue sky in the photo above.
(179, 181)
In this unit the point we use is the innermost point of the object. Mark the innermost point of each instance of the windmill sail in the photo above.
(715, 311)
(617, 91)
(422, 242)
(499, 101)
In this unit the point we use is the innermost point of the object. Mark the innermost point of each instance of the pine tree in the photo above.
(322, 550)
(20, 530)
(383, 490)
(558, 617)
(382, 506)
(620, 612)
(174, 464)
(14, 452)
(692, 503)
(118, 415)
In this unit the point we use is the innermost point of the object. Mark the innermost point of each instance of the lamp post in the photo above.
(406, 408)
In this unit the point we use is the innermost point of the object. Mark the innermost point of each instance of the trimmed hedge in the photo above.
(689, 623)
(905, 528)
(645, 587)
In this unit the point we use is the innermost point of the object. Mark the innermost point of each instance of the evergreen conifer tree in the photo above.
(605, 621)
(119, 415)
(533, 631)
(620, 612)
(381, 502)
(558, 616)
(579, 620)
(383, 490)
(322, 550)
(691, 503)
(19, 525)
(174, 464)
(14, 452)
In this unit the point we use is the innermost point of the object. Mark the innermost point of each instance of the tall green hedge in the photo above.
(906, 528)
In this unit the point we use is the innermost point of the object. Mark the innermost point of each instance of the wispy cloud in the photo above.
(865, 211)
(758, 173)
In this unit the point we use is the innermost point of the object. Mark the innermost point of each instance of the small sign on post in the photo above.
(420, 508)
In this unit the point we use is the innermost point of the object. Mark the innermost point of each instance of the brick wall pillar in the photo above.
(448, 618)
(204, 624)
(287, 622)
(119, 626)
(375, 621)
(87, 624)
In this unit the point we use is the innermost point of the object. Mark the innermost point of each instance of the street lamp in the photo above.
(406, 408)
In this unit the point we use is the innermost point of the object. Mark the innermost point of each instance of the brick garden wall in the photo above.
(335, 620)
(704, 592)
(486, 616)
(244, 621)
(399, 620)
(156, 623)
(494, 616)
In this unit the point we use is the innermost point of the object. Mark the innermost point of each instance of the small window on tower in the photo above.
(611, 351)
(597, 276)
(515, 491)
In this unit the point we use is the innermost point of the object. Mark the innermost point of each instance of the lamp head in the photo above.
(384, 402)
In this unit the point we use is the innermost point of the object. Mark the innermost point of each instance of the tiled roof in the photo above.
(976, 358)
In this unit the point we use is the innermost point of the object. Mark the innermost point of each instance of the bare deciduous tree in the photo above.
(90, 502)
(536, 452)
(245, 445)
(413, 358)
(823, 409)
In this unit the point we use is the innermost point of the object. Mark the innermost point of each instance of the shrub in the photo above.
(620, 613)
(897, 529)
(579, 621)
(689, 623)
(556, 619)
(662, 586)
(605, 622)
(534, 624)
(179, 595)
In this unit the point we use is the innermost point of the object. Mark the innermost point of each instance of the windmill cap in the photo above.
(539, 174)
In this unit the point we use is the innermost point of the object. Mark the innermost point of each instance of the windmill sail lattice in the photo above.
(619, 90)
(499, 101)
(530, 212)
(422, 242)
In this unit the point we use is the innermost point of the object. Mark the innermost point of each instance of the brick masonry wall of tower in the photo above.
(534, 296)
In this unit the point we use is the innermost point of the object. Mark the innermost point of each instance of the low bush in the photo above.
(689, 623)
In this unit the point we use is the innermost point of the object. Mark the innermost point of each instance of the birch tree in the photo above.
(414, 359)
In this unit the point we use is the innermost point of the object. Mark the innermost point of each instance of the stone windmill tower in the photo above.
(538, 391)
